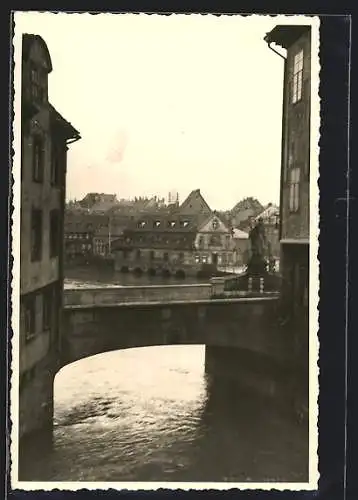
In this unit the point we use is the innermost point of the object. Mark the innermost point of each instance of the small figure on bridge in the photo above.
(258, 238)
(257, 264)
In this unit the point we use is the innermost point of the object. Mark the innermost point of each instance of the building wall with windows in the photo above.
(295, 168)
(45, 136)
(214, 242)
(176, 242)
(296, 158)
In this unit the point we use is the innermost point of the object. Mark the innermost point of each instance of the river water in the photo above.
(151, 414)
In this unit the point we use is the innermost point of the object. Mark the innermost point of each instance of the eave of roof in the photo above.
(286, 35)
(69, 130)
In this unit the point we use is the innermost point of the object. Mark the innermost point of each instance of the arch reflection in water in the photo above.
(150, 414)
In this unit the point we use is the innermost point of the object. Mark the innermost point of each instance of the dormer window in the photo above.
(171, 223)
(184, 223)
(157, 223)
(141, 224)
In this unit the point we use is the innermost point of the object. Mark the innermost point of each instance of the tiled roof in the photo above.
(241, 235)
(157, 223)
(84, 222)
(104, 231)
(269, 212)
(194, 196)
(152, 240)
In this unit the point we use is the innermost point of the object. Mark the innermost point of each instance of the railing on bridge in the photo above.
(218, 288)
(245, 285)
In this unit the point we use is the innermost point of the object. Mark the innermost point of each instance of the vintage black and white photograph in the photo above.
(165, 239)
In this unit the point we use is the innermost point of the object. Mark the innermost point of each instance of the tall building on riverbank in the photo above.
(295, 164)
(45, 136)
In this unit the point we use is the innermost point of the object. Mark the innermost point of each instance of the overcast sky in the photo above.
(167, 103)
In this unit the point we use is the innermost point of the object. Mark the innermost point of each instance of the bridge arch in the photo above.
(243, 323)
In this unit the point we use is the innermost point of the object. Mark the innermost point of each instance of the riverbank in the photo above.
(91, 276)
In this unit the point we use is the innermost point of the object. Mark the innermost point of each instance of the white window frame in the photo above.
(297, 78)
(294, 193)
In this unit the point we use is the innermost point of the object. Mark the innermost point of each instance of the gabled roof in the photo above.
(249, 203)
(194, 196)
(208, 218)
(27, 41)
(270, 211)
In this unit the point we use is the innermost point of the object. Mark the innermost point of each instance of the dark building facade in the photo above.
(157, 244)
(79, 234)
(45, 136)
(295, 165)
(175, 244)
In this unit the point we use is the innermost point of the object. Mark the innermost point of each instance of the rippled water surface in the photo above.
(150, 414)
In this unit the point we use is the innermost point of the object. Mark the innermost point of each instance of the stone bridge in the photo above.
(242, 339)
(245, 323)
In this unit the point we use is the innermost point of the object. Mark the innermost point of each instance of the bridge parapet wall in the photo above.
(129, 294)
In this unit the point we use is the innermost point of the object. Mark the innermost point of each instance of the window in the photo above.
(165, 256)
(30, 317)
(156, 223)
(38, 159)
(201, 242)
(215, 240)
(215, 224)
(171, 223)
(181, 257)
(151, 255)
(294, 194)
(297, 77)
(54, 233)
(56, 164)
(204, 259)
(47, 309)
(138, 255)
(38, 84)
(36, 234)
(291, 153)
(197, 259)
(141, 223)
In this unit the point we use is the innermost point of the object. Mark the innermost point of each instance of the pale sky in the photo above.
(167, 103)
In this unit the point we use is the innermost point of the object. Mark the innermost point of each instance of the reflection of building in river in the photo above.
(295, 168)
(45, 136)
